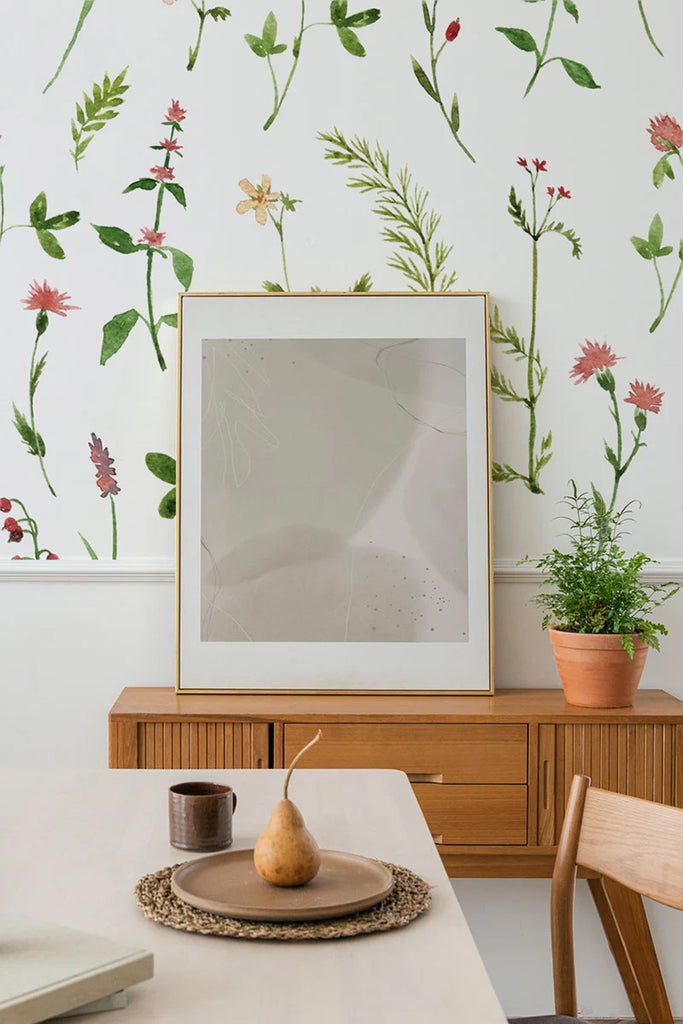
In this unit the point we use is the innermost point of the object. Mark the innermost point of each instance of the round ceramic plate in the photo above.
(228, 884)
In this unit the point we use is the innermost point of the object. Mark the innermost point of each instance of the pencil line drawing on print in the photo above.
(334, 490)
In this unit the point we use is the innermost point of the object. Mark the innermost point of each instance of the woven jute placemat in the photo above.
(409, 898)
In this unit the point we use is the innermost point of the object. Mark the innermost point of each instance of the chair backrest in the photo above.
(634, 847)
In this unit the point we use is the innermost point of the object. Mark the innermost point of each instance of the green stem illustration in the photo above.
(114, 530)
(85, 11)
(278, 225)
(540, 57)
(27, 525)
(653, 249)
(31, 393)
(648, 33)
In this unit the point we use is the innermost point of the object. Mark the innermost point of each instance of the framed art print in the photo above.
(334, 506)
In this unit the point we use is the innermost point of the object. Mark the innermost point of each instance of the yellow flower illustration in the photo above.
(260, 198)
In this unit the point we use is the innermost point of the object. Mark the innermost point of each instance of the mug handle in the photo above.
(234, 801)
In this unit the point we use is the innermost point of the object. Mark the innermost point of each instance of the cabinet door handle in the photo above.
(438, 838)
(434, 777)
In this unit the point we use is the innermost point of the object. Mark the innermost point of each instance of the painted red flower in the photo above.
(16, 558)
(163, 173)
(663, 130)
(15, 531)
(645, 396)
(175, 112)
(564, 192)
(170, 144)
(452, 30)
(47, 299)
(105, 472)
(521, 161)
(595, 357)
(10, 524)
(5, 505)
(52, 557)
(153, 238)
(540, 165)
(551, 190)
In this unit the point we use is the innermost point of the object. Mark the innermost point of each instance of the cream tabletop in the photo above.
(73, 845)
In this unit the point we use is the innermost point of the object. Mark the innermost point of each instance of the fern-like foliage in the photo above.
(96, 111)
(513, 345)
(567, 233)
(410, 226)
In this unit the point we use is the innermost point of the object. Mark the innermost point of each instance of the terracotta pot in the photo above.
(595, 670)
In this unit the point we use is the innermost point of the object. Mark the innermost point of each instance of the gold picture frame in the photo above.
(348, 350)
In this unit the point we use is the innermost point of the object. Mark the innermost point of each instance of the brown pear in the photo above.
(286, 853)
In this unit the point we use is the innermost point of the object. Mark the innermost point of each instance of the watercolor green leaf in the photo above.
(178, 193)
(167, 505)
(38, 210)
(579, 73)
(170, 319)
(115, 332)
(163, 467)
(641, 246)
(96, 111)
(44, 225)
(423, 78)
(559, 228)
(271, 286)
(350, 41)
(572, 9)
(255, 44)
(661, 170)
(269, 33)
(655, 234)
(363, 284)
(146, 184)
(31, 438)
(520, 38)
(183, 266)
(117, 239)
(88, 547)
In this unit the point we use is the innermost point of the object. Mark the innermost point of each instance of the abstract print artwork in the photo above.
(337, 487)
(343, 464)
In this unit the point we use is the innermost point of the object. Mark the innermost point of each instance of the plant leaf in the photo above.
(269, 33)
(661, 170)
(455, 114)
(363, 18)
(167, 505)
(272, 286)
(115, 332)
(363, 284)
(170, 319)
(571, 8)
(37, 371)
(520, 38)
(62, 220)
(49, 244)
(641, 247)
(117, 239)
(350, 41)
(147, 184)
(183, 267)
(427, 17)
(162, 466)
(218, 13)
(38, 210)
(422, 78)
(579, 73)
(656, 233)
(177, 191)
(338, 11)
(33, 441)
(255, 45)
(88, 547)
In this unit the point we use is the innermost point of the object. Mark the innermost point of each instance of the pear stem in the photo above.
(300, 754)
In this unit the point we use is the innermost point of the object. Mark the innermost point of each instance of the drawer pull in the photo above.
(433, 777)
(438, 838)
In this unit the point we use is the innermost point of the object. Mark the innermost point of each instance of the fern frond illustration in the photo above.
(96, 111)
(409, 225)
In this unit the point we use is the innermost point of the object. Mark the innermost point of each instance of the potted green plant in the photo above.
(597, 606)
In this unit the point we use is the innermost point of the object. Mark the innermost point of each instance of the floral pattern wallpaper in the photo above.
(515, 146)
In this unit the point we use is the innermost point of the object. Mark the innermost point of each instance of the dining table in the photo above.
(73, 845)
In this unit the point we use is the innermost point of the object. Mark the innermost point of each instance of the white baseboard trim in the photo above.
(506, 570)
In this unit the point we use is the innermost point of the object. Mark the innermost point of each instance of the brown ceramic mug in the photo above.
(200, 815)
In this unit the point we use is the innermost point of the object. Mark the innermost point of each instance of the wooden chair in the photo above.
(632, 848)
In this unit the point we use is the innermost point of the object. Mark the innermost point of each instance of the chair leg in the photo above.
(623, 918)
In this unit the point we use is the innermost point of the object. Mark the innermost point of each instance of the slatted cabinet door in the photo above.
(193, 744)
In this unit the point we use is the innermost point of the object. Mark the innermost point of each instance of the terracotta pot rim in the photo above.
(609, 641)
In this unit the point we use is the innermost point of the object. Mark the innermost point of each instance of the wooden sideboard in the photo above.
(491, 773)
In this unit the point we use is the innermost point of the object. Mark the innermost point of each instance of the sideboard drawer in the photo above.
(467, 753)
(475, 815)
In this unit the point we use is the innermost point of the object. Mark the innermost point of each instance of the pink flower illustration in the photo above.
(521, 161)
(540, 165)
(170, 144)
(595, 357)
(452, 30)
(162, 173)
(104, 463)
(175, 112)
(47, 299)
(663, 130)
(153, 238)
(551, 191)
(564, 192)
(260, 198)
(645, 396)
(5, 505)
